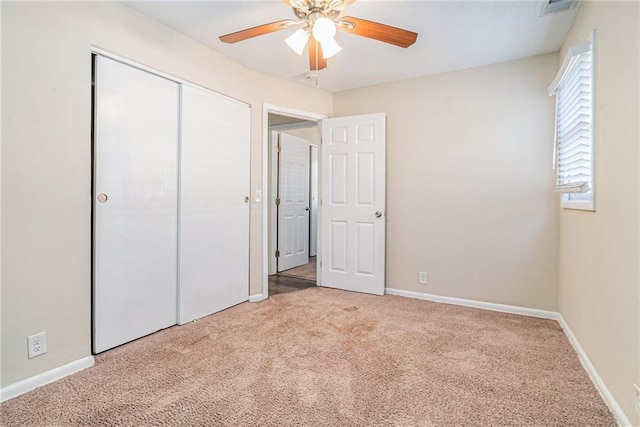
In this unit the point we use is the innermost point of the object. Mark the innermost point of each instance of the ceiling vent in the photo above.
(550, 7)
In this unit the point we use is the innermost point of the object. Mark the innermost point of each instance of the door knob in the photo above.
(102, 197)
(378, 214)
(307, 208)
(246, 199)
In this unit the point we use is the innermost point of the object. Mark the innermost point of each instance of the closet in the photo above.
(170, 203)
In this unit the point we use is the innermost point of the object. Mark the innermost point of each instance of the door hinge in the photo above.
(277, 201)
(277, 148)
(320, 202)
(277, 254)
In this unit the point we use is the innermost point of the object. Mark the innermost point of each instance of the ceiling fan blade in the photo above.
(239, 36)
(315, 53)
(375, 30)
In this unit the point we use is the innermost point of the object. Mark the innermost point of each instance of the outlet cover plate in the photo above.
(37, 344)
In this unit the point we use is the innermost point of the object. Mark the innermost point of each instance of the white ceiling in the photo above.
(453, 35)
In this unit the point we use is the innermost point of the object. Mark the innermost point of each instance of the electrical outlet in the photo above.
(37, 344)
(422, 277)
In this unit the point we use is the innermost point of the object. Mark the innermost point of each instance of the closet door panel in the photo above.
(135, 203)
(214, 216)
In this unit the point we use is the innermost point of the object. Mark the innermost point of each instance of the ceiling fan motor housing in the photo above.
(310, 10)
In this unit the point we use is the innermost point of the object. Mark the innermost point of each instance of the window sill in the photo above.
(580, 205)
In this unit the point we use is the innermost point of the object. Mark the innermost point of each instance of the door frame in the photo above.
(266, 171)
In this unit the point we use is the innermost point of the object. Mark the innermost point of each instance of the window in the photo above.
(573, 149)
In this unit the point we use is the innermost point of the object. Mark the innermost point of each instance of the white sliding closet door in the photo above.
(214, 215)
(135, 203)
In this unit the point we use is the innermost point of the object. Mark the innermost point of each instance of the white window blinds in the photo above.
(573, 87)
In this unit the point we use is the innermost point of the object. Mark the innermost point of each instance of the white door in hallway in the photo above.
(135, 203)
(293, 210)
(353, 195)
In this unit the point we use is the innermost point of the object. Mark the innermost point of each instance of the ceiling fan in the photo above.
(316, 25)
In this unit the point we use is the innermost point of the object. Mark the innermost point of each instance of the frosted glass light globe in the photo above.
(324, 29)
(298, 40)
(329, 48)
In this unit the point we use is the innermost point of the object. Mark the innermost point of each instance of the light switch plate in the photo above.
(422, 277)
(258, 196)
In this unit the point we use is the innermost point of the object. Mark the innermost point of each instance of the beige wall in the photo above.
(46, 159)
(469, 181)
(599, 279)
(310, 134)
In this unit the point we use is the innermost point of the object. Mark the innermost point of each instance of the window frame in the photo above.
(565, 198)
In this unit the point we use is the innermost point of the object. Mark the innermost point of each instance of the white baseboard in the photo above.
(606, 395)
(257, 297)
(503, 308)
(21, 387)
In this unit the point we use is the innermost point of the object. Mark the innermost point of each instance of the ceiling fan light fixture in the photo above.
(316, 24)
(298, 40)
(330, 47)
(324, 29)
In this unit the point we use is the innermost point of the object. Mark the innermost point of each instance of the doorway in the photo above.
(352, 184)
(293, 199)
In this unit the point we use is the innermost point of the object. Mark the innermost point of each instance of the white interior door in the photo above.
(135, 200)
(353, 203)
(293, 210)
(313, 201)
(214, 216)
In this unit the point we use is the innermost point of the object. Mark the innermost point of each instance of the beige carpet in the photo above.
(322, 357)
(306, 271)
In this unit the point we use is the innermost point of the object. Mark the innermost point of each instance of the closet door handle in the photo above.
(246, 199)
(102, 197)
